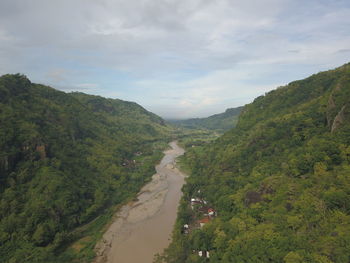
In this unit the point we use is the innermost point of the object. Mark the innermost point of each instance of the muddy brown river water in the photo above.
(143, 228)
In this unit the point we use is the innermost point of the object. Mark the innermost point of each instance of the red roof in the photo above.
(204, 220)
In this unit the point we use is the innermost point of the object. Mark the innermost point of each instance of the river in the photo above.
(143, 228)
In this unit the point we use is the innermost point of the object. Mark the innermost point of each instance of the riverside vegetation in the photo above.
(279, 181)
(66, 161)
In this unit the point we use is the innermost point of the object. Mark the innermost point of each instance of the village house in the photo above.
(203, 210)
(211, 212)
(203, 221)
(204, 254)
(195, 201)
(186, 229)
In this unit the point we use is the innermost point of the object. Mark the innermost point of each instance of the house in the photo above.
(195, 201)
(203, 221)
(204, 254)
(211, 212)
(203, 210)
(186, 229)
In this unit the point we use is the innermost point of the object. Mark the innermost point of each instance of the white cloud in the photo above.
(207, 94)
(206, 53)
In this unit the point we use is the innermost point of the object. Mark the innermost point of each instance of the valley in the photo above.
(89, 179)
(145, 225)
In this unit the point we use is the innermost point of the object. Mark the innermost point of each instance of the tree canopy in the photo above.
(280, 180)
(64, 159)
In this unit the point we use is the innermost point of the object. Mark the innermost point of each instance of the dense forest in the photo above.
(275, 188)
(64, 160)
(279, 182)
(218, 122)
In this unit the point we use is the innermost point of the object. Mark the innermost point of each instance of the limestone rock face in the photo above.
(338, 106)
(339, 119)
(330, 107)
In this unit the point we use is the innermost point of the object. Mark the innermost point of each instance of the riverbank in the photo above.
(143, 228)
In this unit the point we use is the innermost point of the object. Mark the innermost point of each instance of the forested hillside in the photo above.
(64, 159)
(279, 182)
(220, 122)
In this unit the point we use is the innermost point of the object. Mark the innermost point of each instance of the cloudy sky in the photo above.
(177, 58)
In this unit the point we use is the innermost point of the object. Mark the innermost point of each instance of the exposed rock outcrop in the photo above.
(339, 119)
(330, 107)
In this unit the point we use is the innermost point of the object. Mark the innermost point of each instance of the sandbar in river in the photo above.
(143, 228)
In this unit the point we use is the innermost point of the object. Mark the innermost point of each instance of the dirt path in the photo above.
(143, 228)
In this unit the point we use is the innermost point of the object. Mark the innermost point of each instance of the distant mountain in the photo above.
(220, 122)
(65, 158)
(279, 181)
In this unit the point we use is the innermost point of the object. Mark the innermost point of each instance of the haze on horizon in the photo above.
(178, 59)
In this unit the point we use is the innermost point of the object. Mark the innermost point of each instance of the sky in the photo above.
(177, 58)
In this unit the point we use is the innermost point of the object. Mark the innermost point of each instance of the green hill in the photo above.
(279, 181)
(219, 122)
(65, 159)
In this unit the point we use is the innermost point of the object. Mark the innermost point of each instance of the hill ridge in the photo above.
(65, 160)
(279, 180)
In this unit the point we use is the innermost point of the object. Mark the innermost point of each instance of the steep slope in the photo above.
(279, 181)
(64, 159)
(220, 122)
(129, 115)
